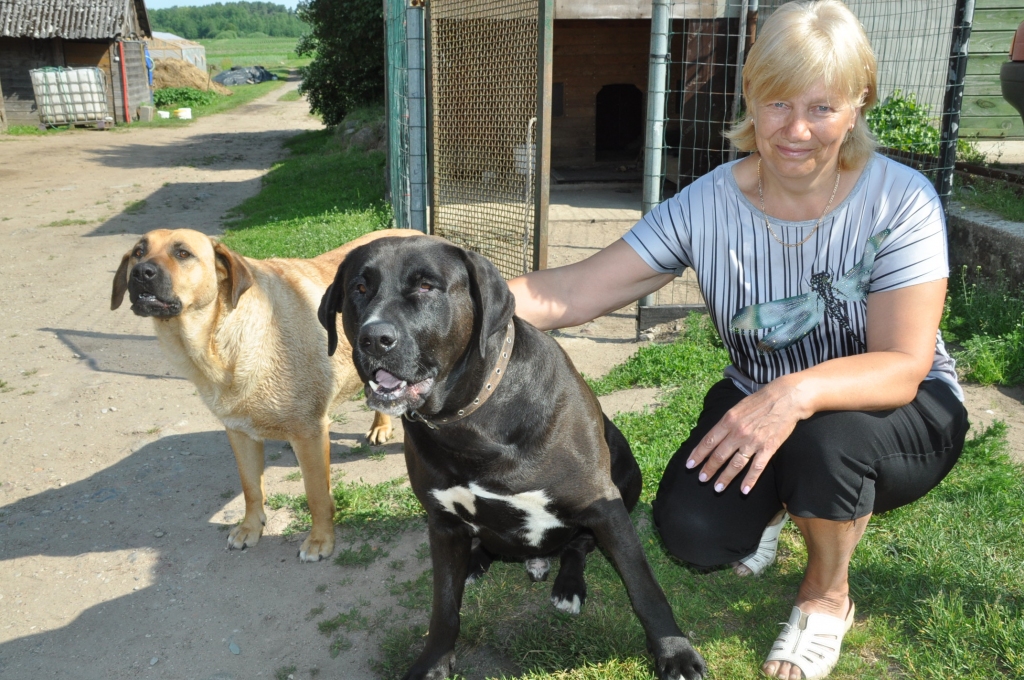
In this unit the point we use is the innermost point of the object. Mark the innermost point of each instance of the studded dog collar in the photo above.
(490, 386)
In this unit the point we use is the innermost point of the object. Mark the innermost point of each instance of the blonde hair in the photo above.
(800, 44)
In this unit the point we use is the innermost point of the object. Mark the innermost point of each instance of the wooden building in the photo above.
(984, 113)
(106, 34)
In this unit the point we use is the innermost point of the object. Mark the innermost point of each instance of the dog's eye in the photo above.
(361, 289)
(183, 254)
(424, 287)
(137, 252)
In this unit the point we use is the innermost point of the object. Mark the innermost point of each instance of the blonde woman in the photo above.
(824, 268)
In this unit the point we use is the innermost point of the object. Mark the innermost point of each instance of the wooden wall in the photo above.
(17, 57)
(984, 113)
(589, 54)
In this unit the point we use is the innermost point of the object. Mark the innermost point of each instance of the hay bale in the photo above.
(178, 73)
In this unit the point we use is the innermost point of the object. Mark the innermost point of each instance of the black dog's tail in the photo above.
(625, 471)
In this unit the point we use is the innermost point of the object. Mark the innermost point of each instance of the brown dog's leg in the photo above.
(314, 457)
(381, 430)
(249, 456)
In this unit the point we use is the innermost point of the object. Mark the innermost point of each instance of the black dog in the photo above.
(506, 446)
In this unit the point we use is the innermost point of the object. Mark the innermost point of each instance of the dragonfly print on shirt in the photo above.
(794, 317)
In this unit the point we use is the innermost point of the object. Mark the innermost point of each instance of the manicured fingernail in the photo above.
(703, 477)
(719, 487)
(690, 462)
(746, 490)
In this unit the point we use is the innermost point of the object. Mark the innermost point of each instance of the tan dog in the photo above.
(245, 332)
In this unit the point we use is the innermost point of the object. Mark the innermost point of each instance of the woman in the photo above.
(824, 269)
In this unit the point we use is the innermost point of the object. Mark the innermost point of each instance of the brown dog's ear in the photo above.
(239, 274)
(330, 305)
(493, 302)
(120, 282)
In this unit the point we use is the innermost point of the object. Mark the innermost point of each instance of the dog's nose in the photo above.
(144, 271)
(377, 338)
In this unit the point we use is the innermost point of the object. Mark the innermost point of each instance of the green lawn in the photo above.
(275, 54)
(318, 198)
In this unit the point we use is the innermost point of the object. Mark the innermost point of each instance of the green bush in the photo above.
(226, 35)
(182, 96)
(346, 43)
(901, 123)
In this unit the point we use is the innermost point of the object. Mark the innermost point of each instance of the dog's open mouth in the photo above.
(148, 304)
(390, 394)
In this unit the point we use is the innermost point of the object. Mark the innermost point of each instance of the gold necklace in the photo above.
(760, 194)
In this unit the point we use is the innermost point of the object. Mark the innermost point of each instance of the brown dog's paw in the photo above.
(317, 546)
(381, 430)
(245, 535)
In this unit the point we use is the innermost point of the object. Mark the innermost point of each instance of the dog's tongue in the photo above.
(386, 380)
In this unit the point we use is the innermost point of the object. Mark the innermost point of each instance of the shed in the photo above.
(985, 114)
(600, 65)
(169, 46)
(106, 34)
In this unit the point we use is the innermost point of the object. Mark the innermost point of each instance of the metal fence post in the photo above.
(417, 117)
(657, 77)
(963, 18)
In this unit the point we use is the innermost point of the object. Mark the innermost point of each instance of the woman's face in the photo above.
(801, 136)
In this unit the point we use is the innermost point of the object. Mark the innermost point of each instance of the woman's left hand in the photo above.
(750, 432)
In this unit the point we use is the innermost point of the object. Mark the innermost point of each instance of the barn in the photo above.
(105, 34)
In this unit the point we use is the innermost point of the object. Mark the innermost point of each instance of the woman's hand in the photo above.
(751, 432)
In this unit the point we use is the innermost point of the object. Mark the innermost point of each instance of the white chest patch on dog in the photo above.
(533, 504)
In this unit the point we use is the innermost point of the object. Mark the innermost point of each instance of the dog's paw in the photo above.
(537, 568)
(379, 434)
(245, 535)
(569, 592)
(317, 546)
(676, 659)
(439, 671)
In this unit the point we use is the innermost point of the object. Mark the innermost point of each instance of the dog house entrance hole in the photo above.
(619, 123)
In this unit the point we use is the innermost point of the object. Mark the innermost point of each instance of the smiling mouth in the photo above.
(388, 393)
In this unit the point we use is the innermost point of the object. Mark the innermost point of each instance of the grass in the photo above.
(316, 199)
(938, 583)
(274, 54)
(67, 222)
(290, 96)
(983, 322)
(1002, 198)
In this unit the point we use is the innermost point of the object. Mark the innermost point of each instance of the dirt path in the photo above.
(117, 485)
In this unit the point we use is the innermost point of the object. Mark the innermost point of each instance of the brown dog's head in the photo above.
(171, 270)
(419, 313)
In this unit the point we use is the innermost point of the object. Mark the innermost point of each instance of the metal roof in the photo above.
(71, 19)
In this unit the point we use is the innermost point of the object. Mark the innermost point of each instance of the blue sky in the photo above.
(164, 4)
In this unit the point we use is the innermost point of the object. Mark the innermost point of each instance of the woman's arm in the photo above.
(901, 327)
(580, 292)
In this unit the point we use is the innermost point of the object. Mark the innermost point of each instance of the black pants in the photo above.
(837, 465)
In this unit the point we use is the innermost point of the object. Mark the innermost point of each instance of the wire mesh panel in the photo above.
(397, 110)
(484, 83)
(915, 119)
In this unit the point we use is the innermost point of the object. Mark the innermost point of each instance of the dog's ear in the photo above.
(239, 275)
(493, 302)
(327, 313)
(120, 282)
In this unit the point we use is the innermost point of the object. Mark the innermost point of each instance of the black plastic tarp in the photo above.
(244, 75)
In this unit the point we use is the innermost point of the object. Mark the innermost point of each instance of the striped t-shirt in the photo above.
(780, 310)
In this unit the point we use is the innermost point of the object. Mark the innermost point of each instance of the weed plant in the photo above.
(316, 199)
(983, 321)
(1002, 198)
(174, 97)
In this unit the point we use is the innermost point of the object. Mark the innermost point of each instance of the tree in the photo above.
(346, 41)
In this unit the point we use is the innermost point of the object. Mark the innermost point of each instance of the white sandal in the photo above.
(811, 642)
(764, 556)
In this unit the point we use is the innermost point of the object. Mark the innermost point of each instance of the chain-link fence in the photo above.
(920, 85)
(484, 74)
(397, 110)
